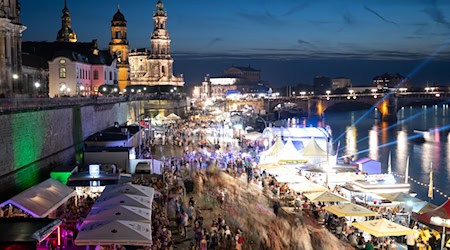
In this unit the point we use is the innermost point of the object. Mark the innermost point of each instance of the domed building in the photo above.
(66, 34)
(119, 47)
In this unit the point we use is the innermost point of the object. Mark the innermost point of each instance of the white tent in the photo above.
(270, 155)
(253, 136)
(160, 117)
(128, 188)
(314, 153)
(307, 186)
(289, 153)
(120, 213)
(123, 199)
(173, 116)
(115, 232)
(42, 199)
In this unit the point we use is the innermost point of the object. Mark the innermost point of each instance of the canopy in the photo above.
(120, 213)
(399, 197)
(123, 199)
(442, 211)
(129, 188)
(173, 116)
(42, 199)
(382, 227)
(115, 232)
(305, 187)
(290, 178)
(325, 196)
(275, 149)
(160, 117)
(350, 209)
(289, 153)
(253, 136)
(313, 149)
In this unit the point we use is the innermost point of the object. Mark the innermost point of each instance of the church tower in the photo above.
(160, 60)
(155, 68)
(119, 47)
(66, 34)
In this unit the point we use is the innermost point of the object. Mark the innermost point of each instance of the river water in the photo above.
(370, 137)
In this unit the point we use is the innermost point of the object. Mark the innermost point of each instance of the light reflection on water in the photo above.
(373, 133)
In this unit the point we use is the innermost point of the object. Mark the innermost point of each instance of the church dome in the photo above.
(119, 16)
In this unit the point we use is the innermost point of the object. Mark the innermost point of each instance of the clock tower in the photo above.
(119, 47)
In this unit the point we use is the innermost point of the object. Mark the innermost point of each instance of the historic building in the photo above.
(119, 47)
(155, 67)
(245, 74)
(10, 48)
(66, 34)
(388, 81)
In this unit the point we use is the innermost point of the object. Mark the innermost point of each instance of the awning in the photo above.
(26, 230)
(129, 188)
(382, 227)
(350, 209)
(325, 196)
(115, 232)
(305, 187)
(121, 212)
(123, 199)
(41, 200)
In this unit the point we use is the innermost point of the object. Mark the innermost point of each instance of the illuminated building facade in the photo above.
(119, 47)
(156, 67)
(10, 47)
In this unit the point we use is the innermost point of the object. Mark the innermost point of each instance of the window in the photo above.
(118, 35)
(62, 61)
(62, 72)
(110, 75)
(95, 74)
(163, 69)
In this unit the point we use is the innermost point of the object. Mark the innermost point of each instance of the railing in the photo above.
(21, 104)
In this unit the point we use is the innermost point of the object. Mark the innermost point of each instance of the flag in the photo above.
(389, 164)
(430, 187)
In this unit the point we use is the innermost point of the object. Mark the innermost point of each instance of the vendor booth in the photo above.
(41, 200)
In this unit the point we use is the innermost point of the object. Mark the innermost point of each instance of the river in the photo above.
(370, 137)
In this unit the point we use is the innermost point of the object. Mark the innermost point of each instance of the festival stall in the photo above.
(306, 187)
(350, 210)
(314, 154)
(270, 155)
(382, 228)
(123, 199)
(289, 154)
(121, 212)
(325, 196)
(43, 199)
(118, 232)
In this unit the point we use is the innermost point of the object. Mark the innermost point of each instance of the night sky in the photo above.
(290, 41)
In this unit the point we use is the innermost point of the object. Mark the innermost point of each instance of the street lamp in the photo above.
(438, 221)
(328, 92)
(37, 85)
(15, 76)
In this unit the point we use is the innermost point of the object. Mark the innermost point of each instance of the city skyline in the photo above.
(290, 41)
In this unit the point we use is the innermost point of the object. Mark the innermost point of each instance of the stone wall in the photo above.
(33, 142)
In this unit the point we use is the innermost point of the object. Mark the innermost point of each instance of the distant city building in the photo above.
(217, 86)
(322, 84)
(387, 81)
(66, 34)
(72, 73)
(156, 67)
(75, 68)
(341, 82)
(119, 47)
(10, 49)
(245, 74)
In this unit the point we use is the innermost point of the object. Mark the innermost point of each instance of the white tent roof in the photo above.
(160, 117)
(173, 116)
(128, 188)
(123, 199)
(120, 213)
(275, 149)
(325, 196)
(289, 153)
(382, 228)
(115, 232)
(313, 149)
(42, 199)
(307, 186)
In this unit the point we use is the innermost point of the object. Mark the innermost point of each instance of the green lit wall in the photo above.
(31, 143)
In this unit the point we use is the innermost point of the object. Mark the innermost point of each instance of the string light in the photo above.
(422, 184)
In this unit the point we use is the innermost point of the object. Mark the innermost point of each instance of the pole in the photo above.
(443, 236)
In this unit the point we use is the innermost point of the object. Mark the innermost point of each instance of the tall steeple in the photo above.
(119, 47)
(66, 34)
(160, 39)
